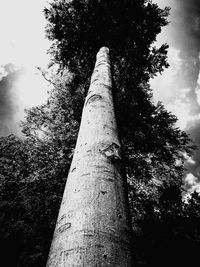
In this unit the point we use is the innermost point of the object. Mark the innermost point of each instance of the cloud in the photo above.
(8, 98)
(23, 43)
(191, 185)
(164, 86)
(183, 36)
(179, 86)
(189, 159)
(186, 26)
(31, 93)
(194, 132)
(191, 179)
(168, 90)
(19, 89)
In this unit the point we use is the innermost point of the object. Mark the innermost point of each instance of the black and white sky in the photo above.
(179, 86)
(23, 47)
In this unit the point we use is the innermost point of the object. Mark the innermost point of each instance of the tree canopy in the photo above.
(152, 143)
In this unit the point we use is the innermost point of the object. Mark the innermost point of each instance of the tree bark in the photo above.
(93, 226)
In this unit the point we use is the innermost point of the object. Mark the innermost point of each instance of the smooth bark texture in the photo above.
(93, 227)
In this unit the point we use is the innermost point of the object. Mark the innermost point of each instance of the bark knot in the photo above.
(101, 192)
(93, 98)
(63, 227)
(112, 151)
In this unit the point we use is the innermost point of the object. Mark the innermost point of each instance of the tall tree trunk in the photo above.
(93, 226)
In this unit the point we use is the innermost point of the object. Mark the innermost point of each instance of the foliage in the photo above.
(78, 29)
(29, 201)
(127, 27)
(169, 234)
(33, 174)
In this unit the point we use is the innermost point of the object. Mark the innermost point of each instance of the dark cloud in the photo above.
(186, 27)
(185, 36)
(182, 90)
(8, 104)
(194, 131)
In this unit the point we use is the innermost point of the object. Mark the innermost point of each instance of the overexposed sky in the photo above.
(22, 32)
(23, 44)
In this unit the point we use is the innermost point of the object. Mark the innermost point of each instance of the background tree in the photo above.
(33, 172)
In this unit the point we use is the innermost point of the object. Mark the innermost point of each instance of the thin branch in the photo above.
(44, 76)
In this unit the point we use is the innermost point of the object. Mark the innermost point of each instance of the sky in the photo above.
(179, 86)
(23, 48)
